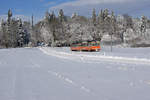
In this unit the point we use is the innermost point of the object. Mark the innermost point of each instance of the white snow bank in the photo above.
(88, 57)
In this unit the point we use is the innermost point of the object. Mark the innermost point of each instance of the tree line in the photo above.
(63, 30)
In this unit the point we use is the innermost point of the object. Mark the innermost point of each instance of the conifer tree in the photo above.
(143, 25)
(94, 17)
(61, 16)
(101, 17)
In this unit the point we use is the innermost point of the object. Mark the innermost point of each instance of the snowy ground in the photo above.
(59, 74)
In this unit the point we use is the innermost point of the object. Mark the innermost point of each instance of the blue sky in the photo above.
(27, 7)
(83, 7)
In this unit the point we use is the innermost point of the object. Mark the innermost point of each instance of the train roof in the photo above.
(77, 42)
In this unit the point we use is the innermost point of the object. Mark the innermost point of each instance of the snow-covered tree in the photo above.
(143, 26)
(63, 30)
(94, 17)
(61, 15)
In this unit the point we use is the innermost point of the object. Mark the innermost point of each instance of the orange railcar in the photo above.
(86, 46)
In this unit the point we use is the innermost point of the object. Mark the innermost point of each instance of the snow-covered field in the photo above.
(59, 74)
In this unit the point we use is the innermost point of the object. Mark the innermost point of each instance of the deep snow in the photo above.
(59, 74)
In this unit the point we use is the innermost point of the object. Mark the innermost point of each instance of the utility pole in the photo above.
(32, 36)
(112, 27)
(111, 42)
(32, 21)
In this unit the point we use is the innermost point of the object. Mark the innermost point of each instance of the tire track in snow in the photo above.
(68, 80)
(78, 86)
(93, 58)
(34, 65)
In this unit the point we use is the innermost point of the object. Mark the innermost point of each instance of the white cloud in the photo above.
(90, 2)
(41, 0)
(23, 17)
(49, 3)
(17, 10)
(84, 7)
